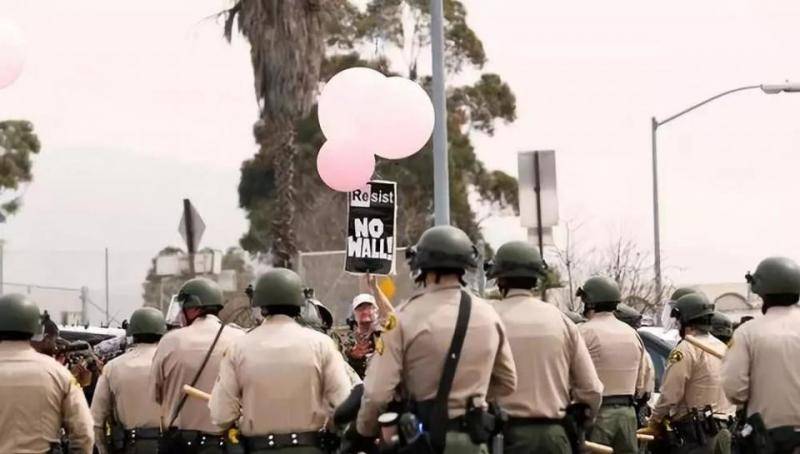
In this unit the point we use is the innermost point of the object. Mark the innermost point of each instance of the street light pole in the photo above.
(654, 125)
(441, 178)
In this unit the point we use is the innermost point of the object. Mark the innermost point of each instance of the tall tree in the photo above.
(475, 107)
(18, 144)
(287, 44)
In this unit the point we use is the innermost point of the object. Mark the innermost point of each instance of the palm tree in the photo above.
(287, 43)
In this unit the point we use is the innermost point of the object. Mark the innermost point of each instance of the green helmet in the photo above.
(775, 275)
(147, 320)
(681, 291)
(692, 307)
(200, 292)
(279, 287)
(597, 290)
(19, 314)
(628, 315)
(443, 246)
(516, 259)
(721, 326)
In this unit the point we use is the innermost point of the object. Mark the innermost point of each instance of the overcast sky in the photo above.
(140, 104)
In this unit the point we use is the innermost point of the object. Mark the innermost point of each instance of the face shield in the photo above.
(669, 320)
(38, 335)
(175, 316)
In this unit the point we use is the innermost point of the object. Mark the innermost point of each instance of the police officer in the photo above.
(38, 396)
(621, 362)
(413, 354)
(760, 369)
(118, 401)
(628, 316)
(721, 327)
(691, 383)
(280, 380)
(554, 368)
(191, 355)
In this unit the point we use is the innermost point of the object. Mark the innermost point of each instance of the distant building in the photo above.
(733, 299)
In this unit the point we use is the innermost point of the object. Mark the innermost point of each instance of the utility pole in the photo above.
(84, 305)
(2, 258)
(108, 321)
(441, 177)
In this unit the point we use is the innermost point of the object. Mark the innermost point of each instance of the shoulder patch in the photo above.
(379, 345)
(74, 381)
(675, 356)
(391, 322)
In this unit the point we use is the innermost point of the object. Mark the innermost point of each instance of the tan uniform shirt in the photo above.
(121, 393)
(414, 354)
(279, 378)
(618, 354)
(551, 358)
(762, 367)
(178, 357)
(692, 380)
(38, 396)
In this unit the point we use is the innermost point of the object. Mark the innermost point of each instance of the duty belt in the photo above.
(618, 401)
(513, 422)
(190, 437)
(280, 441)
(142, 433)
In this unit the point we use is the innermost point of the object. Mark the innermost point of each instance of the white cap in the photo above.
(364, 298)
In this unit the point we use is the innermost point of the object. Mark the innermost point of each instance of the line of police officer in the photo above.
(273, 389)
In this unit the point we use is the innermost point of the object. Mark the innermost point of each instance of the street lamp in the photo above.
(770, 89)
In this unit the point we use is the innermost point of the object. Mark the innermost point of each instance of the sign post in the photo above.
(538, 202)
(371, 225)
(191, 229)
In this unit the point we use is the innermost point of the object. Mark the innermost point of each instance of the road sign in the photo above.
(191, 227)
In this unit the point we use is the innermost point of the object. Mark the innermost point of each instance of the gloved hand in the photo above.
(653, 428)
(354, 442)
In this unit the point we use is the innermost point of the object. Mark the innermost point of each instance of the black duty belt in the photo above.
(281, 441)
(143, 433)
(513, 422)
(618, 401)
(190, 437)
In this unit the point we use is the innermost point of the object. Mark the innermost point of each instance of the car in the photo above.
(91, 334)
(659, 344)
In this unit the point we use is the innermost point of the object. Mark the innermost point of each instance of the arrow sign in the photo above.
(191, 227)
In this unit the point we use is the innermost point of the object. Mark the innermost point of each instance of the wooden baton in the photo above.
(703, 346)
(196, 393)
(598, 448)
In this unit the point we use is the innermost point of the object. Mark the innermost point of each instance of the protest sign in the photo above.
(371, 215)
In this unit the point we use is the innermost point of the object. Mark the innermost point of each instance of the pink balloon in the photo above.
(345, 106)
(407, 116)
(12, 55)
(345, 166)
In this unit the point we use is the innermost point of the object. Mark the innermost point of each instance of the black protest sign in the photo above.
(371, 214)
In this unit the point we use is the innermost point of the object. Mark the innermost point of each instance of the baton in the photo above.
(598, 448)
(196, 393)
(703, 346)
(645, 437)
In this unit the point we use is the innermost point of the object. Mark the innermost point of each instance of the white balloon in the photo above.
(12, 54)
(408, 119)
(346, 104)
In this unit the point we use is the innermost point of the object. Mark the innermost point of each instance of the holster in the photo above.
(55, 448)
(116, 440)
(752, 436)
(478, 423)
(575, 423)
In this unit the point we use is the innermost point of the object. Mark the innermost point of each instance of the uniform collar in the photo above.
(15, 346)
(780, 311)
(603, 316)
(517, 292)
(207, 319)
(278, 319)
(434, 288)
